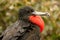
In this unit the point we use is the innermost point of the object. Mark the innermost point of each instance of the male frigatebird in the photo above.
(28, 26)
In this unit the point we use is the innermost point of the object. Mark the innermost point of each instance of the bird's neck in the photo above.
(24, 23)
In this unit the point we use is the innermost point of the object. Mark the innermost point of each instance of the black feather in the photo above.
(22, 29)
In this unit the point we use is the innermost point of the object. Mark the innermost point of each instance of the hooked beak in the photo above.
(41, 13)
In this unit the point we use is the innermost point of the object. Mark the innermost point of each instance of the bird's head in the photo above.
(29, 14)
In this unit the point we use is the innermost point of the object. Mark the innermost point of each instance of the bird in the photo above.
(28, 26)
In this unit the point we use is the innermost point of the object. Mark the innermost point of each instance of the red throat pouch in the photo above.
(38, 21)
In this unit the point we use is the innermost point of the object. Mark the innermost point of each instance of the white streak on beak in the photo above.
(41, 13)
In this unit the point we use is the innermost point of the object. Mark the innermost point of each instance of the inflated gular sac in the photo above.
(38, 21)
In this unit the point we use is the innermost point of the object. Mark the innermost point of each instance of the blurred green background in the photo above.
(9, 14)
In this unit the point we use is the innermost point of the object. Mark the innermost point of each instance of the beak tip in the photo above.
(48, 14)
